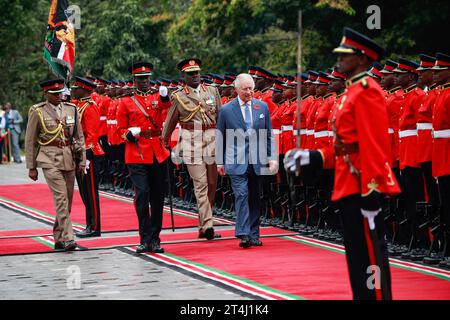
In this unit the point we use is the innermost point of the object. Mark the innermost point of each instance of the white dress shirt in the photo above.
(242, 105)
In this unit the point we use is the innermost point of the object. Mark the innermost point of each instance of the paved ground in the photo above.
(103, 274)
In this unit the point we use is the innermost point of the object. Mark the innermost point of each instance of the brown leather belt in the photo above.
(191, 126)
(58, 143)
(150, 133)
(341, 149)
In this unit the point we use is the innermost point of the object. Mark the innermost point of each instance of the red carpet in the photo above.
(22, 246)
(115, 215)
(24, 233)
(45, 243)
(298, 269)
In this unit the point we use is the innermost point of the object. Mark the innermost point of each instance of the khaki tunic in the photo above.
(47, 124)
(189, 108)
(197, 148)
(41, 124)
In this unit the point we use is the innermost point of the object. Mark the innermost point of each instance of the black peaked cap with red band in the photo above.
(426, 62)
(389, 66)
(405, 66)
(354, 42)
(442, 61)
(141, 68)
(53, 86)
(83, 83)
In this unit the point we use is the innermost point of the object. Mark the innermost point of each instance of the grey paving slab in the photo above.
(104, 274)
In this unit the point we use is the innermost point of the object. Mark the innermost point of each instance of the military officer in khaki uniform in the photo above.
(195, 107)
(54, 142)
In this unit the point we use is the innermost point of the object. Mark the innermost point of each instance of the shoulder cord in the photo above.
(192, 111)
(58, 132)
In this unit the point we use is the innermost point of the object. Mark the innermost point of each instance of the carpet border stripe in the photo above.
(222, 277)
(175, 211)
(394, 262)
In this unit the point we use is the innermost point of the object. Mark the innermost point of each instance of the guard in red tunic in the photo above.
(89, 180)
(424, 128)
(394, 99)
(375, 72)
(321, 132)
(139, 122)
(264, 80)
(410, 168)
(304, 106)
(312, 108)
(362, 170)
(228, 92)
(441, 145)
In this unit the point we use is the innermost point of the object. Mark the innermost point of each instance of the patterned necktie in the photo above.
(248, 120)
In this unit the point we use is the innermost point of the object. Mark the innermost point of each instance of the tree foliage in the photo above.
(227, 35)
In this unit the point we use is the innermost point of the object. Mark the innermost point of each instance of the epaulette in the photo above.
(410, 88)
(38, 105)
(359, 78)
(432, 87)
(70, 104)
(445, 86)
(364, 83)
(176, 91)
(173, 95)
(393, 90)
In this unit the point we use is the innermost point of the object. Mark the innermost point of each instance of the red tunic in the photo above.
(321, 132)
(412, 99)
(361, 118)
(275, 118)
(424, 126)
(113, 136)
(394, 100)
(129, 115)
(287, 129)
(266, 97)
(90, 122)
(102, 105)
(329, 162)
(310, 119)
(441, 132)
(304, 107)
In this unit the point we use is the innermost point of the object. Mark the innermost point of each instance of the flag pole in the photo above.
(299, 84)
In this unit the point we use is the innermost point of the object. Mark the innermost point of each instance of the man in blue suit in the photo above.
(245, 151)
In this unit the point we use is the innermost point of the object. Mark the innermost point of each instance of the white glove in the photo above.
(86, 168)
(290, 160)
(163, 91)
(370, 215)
(135, 131)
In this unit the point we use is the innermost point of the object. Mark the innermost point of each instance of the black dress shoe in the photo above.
(256, 242)
(245, 242)
(88, 233)
(209, 234)
(202, 235)
(156, 247)
(143, 248)
(59, 245)
(69, 245)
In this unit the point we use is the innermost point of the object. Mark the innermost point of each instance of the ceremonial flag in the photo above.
(59, 47)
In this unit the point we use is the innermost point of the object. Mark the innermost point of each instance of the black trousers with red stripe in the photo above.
(413, 188)
(431, 185)
(88, 185)
(365, 252)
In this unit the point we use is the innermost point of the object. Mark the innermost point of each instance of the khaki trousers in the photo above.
(61, 183)
(204, 177)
